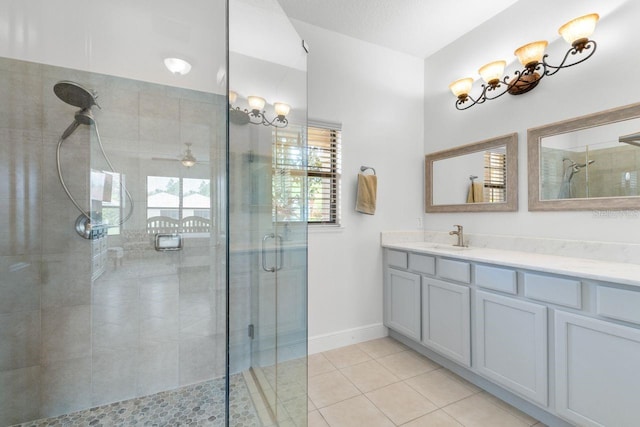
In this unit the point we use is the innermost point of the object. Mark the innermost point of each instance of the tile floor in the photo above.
(198, 405)
(384, 383)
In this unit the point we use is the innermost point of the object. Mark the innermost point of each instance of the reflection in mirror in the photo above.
(590, 162)
(479, 177)
(473, 178)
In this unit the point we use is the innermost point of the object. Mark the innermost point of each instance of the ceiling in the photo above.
(416, 27)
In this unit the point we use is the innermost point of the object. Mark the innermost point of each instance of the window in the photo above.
(495, 176)
(178, 199)
(323, 175)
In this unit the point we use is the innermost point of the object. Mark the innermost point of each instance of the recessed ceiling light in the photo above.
(177, 66)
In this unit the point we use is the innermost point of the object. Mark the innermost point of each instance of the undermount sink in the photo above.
(451, 248)
(443, 247)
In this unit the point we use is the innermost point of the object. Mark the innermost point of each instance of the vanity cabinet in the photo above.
(446, 326)
(554, 344)
(402, 311)
(511, 344)
(597, 371)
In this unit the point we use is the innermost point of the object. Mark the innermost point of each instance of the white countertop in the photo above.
(617, 272)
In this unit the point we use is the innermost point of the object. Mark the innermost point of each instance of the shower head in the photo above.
(74, 94)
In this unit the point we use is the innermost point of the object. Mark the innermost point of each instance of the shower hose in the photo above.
(68, 133)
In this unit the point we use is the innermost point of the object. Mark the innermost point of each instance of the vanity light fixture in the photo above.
(177, 66)
(532, 57)
(256, 113)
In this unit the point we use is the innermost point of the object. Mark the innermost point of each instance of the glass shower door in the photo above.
(267, 198)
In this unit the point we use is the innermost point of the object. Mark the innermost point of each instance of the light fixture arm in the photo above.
(550, 70)
(258, 117)
(526, 79)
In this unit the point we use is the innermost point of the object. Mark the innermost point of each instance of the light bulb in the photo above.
(531, 54)
(188, 159)
(281, 109)
(232, 97)
(578, 30)
(492, 72)
(462, 87)
(256, 103)
(177, 66)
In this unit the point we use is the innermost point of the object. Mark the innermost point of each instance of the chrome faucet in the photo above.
(460, 235)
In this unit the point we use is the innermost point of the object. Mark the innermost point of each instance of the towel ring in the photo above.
(364, 168)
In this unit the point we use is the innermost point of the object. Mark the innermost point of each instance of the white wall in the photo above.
(604, 81)
(377, 95)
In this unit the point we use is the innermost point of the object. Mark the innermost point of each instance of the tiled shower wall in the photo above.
(152, 321)
(614, 172)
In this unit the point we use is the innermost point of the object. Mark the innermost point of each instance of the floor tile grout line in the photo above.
(408, 421)
(489, 402)
(474, 391)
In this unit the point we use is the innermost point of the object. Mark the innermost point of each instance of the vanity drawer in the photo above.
(459, 271)
(396, 258)
(556, 290)
(422, 263)
(498, 279)
(620, 304)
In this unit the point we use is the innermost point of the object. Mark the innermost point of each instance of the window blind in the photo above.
(319, 182)
(495, 177)
(324, 175)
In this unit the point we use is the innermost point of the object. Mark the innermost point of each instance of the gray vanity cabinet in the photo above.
(511, 344)
(402, 302)
(446, 326)
(597, 371)
(568, 345)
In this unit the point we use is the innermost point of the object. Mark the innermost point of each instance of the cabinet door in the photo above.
(446, 323)
(597, 371)
(511, 344)
(402, 302)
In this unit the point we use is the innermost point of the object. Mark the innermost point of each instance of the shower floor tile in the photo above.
(196, 405)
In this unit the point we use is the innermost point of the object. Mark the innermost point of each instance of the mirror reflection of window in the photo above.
(495, 177)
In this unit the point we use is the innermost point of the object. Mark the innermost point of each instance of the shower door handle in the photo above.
(264, 253)
(279, 261)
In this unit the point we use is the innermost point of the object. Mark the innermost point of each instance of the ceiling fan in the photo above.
(187, 158)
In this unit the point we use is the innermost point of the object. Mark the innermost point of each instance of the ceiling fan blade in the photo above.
(177, 160)
(165, 158)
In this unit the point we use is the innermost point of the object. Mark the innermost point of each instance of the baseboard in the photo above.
(320, 343)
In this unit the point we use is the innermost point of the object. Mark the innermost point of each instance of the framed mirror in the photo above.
(478, 177)
(590, 162)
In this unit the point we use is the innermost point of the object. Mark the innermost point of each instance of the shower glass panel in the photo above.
(116, 281)
(268, 213)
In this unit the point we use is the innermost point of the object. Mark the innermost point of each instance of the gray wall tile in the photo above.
(20, 284)
(19, 340)
(19, 395)
(66, 386)
(66, 333)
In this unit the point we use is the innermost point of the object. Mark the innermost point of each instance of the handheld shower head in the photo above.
(74, 94)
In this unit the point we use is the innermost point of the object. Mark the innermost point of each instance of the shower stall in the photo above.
(153, 238)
